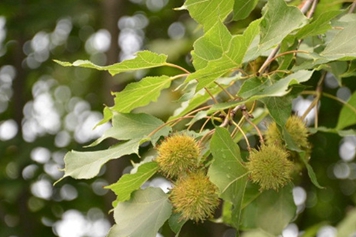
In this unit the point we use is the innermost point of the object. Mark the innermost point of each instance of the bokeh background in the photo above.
(47, 110)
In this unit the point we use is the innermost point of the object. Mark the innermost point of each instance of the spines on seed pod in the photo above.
(178, 154)
(195, 197)
(270, 167)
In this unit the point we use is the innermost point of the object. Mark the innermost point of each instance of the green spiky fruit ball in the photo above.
(296, 129)
(178, 154)
(270, 167)
(195, 197)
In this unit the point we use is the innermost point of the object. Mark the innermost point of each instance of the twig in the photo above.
(243, 134)
(352, 8)
(222, 88)
(332, 97)
(318, 92)
(231, 114)
(268, 60)
(247, 116)
(312, 9)
(306, 6)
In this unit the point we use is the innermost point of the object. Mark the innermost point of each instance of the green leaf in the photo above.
(342, 46)
(81, 63)
(131, 182)
(347, 116)
(207, 13)
(291, 145)
(271, 211)
(198, 99)
(87, 164)
(231, 48)
(253, 86)
(143, 60)
(211, 45)
(280, 108)
(143, 215)
(278, 21)
(257, 90)
(319, 25)
(176, 223)
(140, 93)
(243, 8)
(134, 126)
(227, 171)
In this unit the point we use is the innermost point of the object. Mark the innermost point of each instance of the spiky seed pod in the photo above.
(272, 136)
(195, 197)
(295, 127)
(270, 167)
(298, 131)
(178, 154)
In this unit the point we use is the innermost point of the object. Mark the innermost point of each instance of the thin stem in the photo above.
(274, 57)
(206, 121)
(221, 87)
(173, 122)
(205, 136)
(352, 8)
(312, 9)
(176, 66)
(231, 114)
(211, 95)
(306, 6)
(247, 117)
(243, 134)
(268, 60)
(332, 97)
(319, 90)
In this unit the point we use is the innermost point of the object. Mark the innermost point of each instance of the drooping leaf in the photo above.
(347, 116)
(143, 60)
(270, 211)
(227, 171)
(127, 126)
(207, 13)
(129, 183)
(243, 8)
(87, 164)
(143, 215)
(140, 93)
(232, 49)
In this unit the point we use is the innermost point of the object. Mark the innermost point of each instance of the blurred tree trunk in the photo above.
(27, 224)
(112, 11)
